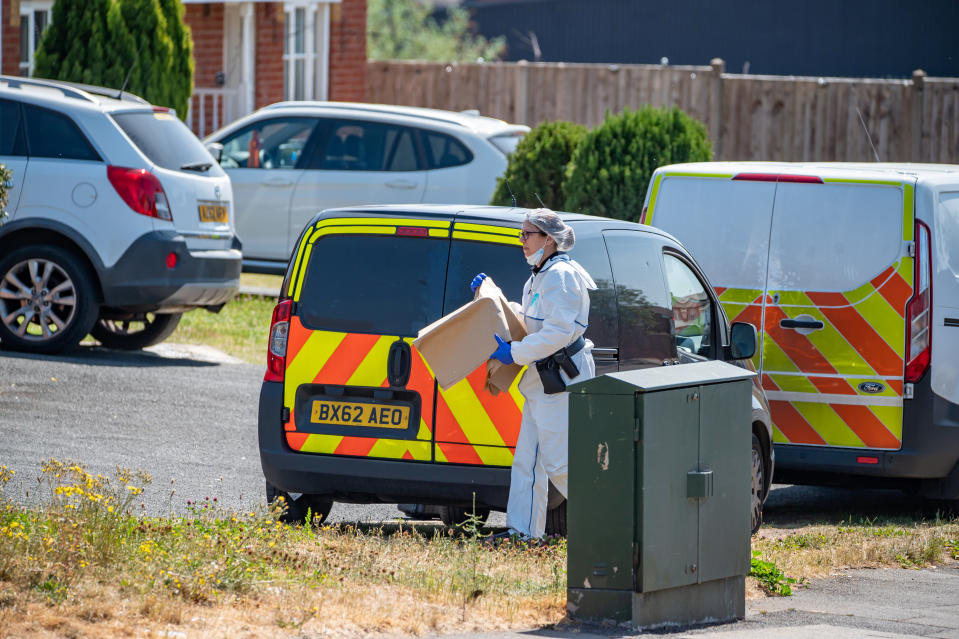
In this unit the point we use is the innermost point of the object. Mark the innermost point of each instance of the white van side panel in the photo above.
(944, 364)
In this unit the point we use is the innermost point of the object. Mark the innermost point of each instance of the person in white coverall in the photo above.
(556, 312)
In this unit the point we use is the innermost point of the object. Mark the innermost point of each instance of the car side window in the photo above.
(645, 313)
(54, 135)
(693, 315)
(444, 151)
(590, 252)
(268, 144)
(12, 142)
(355, 145)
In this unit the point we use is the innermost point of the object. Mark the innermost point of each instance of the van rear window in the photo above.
(378, 284)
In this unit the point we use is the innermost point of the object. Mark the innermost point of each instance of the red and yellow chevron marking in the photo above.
(812, 381)
(351, 359)
(467, 414)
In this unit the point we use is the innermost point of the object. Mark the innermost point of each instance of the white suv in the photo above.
(290, 160)
(118, 219)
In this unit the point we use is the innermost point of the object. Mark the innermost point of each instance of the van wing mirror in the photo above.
(742, 341)
(215, 149)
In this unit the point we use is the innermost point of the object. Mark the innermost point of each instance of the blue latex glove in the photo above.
(502, 352)
(477, 281)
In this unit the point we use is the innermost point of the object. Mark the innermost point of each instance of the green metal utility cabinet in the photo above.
(659, 488)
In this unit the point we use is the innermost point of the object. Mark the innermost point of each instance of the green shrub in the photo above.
(610, 169)
(538, 165)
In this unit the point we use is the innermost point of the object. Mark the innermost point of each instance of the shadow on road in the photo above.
(96, 355)
(796, 506)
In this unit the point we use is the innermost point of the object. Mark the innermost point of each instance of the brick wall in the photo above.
(11, 42)
(269, 53)
(348, 51)
(206, 29)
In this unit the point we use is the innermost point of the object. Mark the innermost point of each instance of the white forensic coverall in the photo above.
(556, 311)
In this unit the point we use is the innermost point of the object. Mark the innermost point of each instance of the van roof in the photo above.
(497, 213)
(503, 214)
(857, 170)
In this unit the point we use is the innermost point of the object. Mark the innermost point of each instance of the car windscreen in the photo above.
(165, 140)
(378, 284)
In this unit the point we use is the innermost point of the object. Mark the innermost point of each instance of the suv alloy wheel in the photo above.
(47, 299)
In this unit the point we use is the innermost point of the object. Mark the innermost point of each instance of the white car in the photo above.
(118, 219)
(290, 160)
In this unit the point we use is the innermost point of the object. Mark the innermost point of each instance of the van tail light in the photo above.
(141, 190)
(919, 309)
(778, 177)
(279, 335)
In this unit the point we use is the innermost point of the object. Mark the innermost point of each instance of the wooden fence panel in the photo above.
(775, 118)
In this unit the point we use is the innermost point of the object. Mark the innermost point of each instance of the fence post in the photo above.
(521, 91)
(918, 79)
(716, 106)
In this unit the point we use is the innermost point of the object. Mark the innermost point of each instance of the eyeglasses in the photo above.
(524, 235)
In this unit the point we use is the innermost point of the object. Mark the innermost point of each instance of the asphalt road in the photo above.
(184, 414)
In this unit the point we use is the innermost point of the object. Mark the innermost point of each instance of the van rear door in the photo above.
(362, 287)
(473, 426)
(839, 278)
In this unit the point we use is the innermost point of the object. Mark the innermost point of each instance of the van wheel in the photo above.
(47, 299)
(757, 487)
(136, 332)
(295, 510)
(556, 520)
(457, 515)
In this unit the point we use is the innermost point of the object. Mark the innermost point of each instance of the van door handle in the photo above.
(399, 364)
(277, 182)
(401, 184)
(798, 323)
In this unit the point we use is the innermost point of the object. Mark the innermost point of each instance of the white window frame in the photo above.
(28, 9)
(316, 47)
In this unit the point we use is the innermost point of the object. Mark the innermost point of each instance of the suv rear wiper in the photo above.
(197, 166)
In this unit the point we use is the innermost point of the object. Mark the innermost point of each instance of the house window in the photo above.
(299, 52)
(306, 49)
(34, 20)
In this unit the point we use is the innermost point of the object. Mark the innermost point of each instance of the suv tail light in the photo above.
(141, 190)
(279, 334)
(919, 310)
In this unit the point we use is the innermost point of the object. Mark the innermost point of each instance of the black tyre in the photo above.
(48, 300)
(136, 332)
(556, 520)
(757, 486)
(296, 510)
(457, 515)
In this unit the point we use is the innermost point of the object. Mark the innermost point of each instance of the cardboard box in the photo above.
(456, 344)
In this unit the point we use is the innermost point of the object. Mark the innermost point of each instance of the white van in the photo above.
(852, 273)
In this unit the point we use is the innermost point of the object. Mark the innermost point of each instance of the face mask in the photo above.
(535, 258)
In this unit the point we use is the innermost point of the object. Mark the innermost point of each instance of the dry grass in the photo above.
(78, 563)
(822, 550)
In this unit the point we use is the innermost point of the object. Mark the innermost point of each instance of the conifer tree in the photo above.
(182, 70)
(143, 46)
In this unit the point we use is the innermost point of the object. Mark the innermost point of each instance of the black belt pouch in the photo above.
(549, 374)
